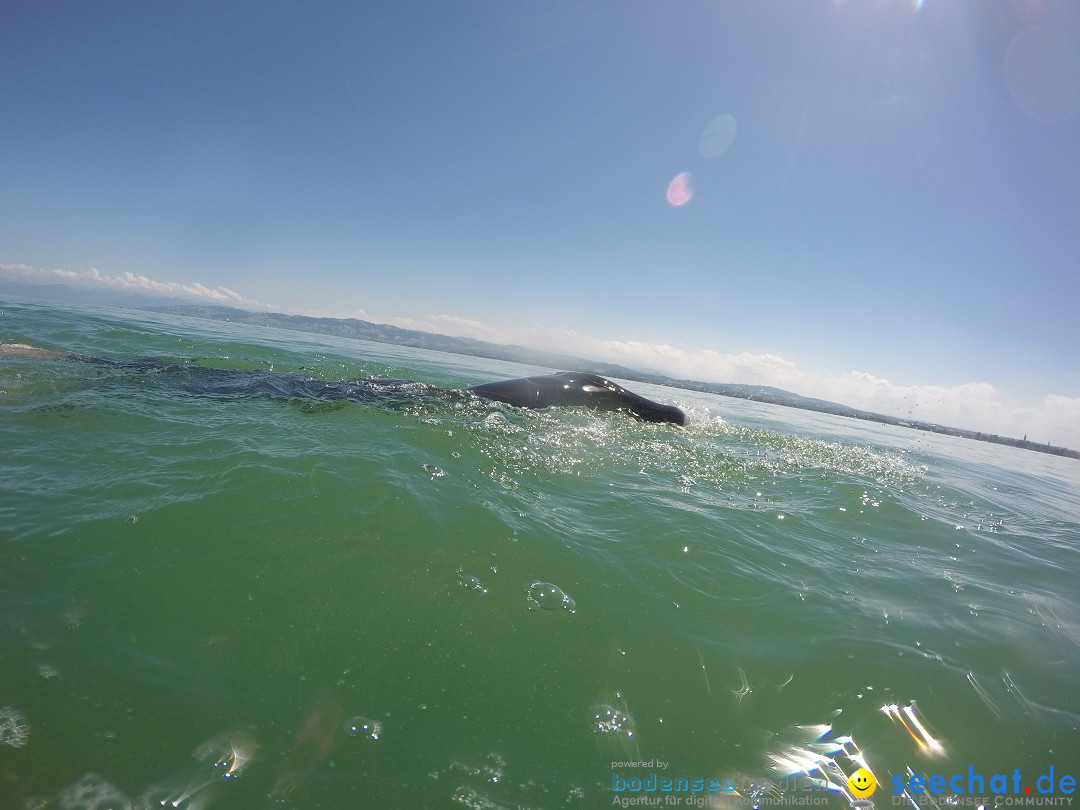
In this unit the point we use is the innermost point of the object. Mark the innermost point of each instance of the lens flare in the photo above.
(914, 727)
(1042, 73)
(680, 190)
(717, 136)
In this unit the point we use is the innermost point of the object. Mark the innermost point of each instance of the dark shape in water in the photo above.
(570, 388)
(564, 389)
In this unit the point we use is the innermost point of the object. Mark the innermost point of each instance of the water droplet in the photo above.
(550, 597)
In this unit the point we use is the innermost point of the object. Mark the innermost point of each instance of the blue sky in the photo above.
(880, 200)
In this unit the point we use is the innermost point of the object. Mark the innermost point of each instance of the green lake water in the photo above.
(437, 602)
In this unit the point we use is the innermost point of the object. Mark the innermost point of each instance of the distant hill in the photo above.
(384, 333)
(64, 294)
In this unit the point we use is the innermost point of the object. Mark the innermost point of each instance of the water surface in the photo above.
(223, 601)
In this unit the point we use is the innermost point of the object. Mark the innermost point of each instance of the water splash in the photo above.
(223, 757)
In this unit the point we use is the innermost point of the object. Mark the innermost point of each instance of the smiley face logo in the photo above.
(862, 784)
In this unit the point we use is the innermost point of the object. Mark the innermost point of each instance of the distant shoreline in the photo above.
(852, 413)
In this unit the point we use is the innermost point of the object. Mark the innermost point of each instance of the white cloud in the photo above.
(971, 405)
(128, 281)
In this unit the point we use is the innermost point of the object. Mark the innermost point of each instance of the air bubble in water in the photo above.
(550, 597)
(471, 583)
(616, 727)
(609, 720)
(363, 727)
